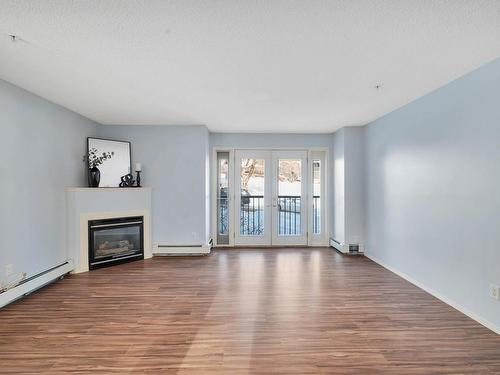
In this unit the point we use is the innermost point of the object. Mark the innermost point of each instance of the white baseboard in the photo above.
(165, 250)
(438, 295)
(35, 283)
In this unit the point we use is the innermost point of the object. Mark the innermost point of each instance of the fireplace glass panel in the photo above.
(116, 242)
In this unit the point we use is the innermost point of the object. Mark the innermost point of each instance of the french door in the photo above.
(270, 197)
(252, 197)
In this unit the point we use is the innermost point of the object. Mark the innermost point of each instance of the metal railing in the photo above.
(223, 215)
(252, 215)
(289, 215)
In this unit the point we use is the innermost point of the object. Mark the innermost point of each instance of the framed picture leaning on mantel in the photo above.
(118, 164)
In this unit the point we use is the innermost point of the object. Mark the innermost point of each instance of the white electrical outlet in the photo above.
(494, 291)
(9, 269)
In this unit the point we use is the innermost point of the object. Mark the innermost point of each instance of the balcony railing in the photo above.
(289, 217)
(252, 215)
(223, 216)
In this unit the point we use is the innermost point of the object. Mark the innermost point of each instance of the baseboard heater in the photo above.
(182, 250)
(35, 282)
(351, 249)
(337, 245)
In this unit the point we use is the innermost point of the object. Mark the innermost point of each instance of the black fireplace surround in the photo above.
(117, 240)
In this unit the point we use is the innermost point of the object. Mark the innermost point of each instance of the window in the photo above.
(223, 198)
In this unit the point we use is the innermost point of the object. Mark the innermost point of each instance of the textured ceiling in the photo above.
(257, 66)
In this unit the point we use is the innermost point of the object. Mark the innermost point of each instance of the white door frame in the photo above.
(321, 240)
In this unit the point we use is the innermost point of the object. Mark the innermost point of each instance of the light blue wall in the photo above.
(348, 186)
(433, 191)
(41, 154)
(207, 186)
(244, 140)
(354, 150)
(174, 163)
(338, 191)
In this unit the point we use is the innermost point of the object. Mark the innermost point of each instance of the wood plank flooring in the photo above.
(269, 311)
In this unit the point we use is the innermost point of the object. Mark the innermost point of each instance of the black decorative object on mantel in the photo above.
(138, 178)
(94, 177)
(138, 170)
(93, 159)
(127, 181)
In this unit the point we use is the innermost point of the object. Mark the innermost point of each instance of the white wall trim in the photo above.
(36, 283)
(438, 295)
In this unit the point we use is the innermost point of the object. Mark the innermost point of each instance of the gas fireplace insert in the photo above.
(116, 240)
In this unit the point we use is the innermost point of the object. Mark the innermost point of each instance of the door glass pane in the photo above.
(316, 196)
(222, 198)
(289, 197)
(252, 197)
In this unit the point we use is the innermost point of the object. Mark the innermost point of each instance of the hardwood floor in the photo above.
(270, 311)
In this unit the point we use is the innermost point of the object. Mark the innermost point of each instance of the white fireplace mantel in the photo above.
(84, 204)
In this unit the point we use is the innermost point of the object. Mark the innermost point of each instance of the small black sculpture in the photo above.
(127, 181)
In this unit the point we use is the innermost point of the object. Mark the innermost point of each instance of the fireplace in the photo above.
(117, 240)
